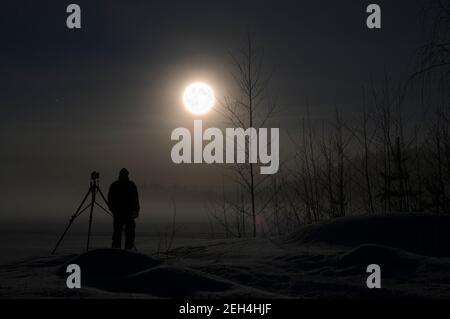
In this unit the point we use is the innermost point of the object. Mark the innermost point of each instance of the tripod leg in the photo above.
(72, 219)
(103, 196)
(90, 218)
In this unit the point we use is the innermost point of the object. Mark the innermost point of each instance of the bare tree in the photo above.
(365, 140)
(340, 146)
(249, 107)
(435, 53)
(166, 240)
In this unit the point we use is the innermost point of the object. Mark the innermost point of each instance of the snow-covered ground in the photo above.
(326, 260)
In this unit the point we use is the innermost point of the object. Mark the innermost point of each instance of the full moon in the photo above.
(198, 98)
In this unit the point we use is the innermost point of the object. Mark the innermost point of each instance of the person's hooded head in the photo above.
(123, 175)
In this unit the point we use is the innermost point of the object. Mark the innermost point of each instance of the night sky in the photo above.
(108, 96)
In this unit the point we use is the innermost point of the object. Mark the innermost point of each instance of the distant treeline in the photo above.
(383, 160)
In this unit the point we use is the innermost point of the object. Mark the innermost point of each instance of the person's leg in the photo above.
(130, 226)
(117, 234)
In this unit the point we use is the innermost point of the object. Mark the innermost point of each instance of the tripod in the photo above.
(94, 189)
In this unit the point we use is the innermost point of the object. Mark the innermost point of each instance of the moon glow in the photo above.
(198, 98)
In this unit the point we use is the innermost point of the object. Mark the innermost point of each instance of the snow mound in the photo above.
(174, 282)
(418, 233)
(391, 260)
(110, 264)
(121, 271)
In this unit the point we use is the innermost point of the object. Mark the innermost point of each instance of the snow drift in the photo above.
(326, 260)
(418, 233)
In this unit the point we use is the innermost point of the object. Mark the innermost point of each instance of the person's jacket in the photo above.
(123, 198)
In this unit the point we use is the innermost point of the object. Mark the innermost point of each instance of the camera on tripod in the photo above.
(95, 175)
(93, 191)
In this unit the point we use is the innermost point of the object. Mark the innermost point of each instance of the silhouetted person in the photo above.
(123, 201)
